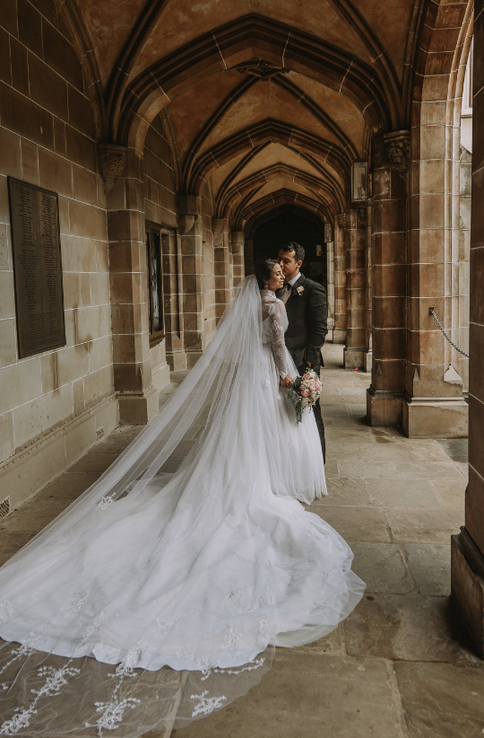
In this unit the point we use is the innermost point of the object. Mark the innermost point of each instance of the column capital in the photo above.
(218, 225)
(397, 148)
(341, 218)
(188, 207)
(112, 158)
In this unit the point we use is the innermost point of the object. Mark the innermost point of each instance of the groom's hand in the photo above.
(287, 381)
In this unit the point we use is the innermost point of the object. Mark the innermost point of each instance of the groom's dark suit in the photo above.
(307, 313)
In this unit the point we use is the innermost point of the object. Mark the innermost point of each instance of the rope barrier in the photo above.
(432, 312)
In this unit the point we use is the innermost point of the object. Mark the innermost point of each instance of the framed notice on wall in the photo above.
(39, 299)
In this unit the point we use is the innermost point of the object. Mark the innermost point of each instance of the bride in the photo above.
(191, 552)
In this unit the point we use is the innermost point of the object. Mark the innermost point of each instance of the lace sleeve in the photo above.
(277, 325)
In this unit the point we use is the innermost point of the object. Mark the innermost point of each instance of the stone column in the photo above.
(356, 333)
(330, 283)
(190, 230)
(237, 247)
(138, 399)
(339, 331)
(467, 571)
(388, 259)
(222, 265)
(434, 406)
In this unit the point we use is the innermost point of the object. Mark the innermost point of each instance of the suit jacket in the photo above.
(307, 313)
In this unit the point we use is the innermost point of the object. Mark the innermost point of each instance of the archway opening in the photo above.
(281, 228)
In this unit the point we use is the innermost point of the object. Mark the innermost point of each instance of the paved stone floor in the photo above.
(400, 666)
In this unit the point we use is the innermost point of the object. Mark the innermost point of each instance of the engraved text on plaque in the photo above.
(37, 266)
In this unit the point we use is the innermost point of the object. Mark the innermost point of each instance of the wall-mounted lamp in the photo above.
(359, 181)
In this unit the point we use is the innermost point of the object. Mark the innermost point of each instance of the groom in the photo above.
(307, 314)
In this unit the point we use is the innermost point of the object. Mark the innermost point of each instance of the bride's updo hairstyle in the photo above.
(263, 271)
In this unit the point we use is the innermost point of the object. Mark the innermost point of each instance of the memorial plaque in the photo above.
(34, 217)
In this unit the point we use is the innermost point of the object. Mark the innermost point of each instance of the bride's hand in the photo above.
(287, 381)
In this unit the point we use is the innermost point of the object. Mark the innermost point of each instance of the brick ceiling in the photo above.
(264, 101)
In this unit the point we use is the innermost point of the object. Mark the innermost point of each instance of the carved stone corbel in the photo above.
(112, 158)
(341, 220)
(397, 147)
(188, 211)
(217, 225)
(186, 223)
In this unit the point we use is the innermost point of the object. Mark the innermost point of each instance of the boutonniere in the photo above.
(300, 290)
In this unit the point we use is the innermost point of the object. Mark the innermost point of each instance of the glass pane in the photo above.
(157, 322)
(148, 259)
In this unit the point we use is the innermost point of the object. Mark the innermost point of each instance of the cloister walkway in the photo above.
(399, 667)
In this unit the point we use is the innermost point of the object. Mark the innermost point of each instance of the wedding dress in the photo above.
(190, 553)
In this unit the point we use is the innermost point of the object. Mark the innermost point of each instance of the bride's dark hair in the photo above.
(263, 270)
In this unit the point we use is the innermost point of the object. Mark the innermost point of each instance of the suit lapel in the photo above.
(300, 283)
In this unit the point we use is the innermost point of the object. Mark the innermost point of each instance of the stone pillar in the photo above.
(222, 265)
(138, 399)
(388, 259)
(190, 230)
(434, 406)
(356, 334)
(330, 283)
(368, 356)
(339, 330)
(467, 571)
(237, 247)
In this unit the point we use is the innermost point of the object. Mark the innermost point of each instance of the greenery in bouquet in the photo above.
(304, 392)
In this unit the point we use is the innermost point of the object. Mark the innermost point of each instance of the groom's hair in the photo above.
(299, 253)
(263, 270)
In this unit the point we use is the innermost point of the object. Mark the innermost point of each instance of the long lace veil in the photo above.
(51, 686)
(185, 424)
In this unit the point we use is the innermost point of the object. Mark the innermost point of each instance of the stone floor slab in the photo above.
(416, 525)
(442, 700)
(97, 461)
(355, 523)
(451, 493)
(399, 493)
(409, 628)
(382, 567)
(310, 696)
(35, 516)
(430, 567)
(345, 492)
(367, 450)
(399, 470)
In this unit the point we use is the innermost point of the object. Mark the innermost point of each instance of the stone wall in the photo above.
(47, 139)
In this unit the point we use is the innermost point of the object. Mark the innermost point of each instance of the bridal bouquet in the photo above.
(304, 392)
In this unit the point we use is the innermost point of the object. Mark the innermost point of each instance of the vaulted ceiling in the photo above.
(264, 101)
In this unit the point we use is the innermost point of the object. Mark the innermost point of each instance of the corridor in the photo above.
(400, 666)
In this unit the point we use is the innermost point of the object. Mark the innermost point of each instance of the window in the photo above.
(155, 289)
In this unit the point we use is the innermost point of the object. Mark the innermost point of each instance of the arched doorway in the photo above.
(280, 227)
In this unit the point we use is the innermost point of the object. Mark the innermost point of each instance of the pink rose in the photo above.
(305, 392)
(305, 377)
